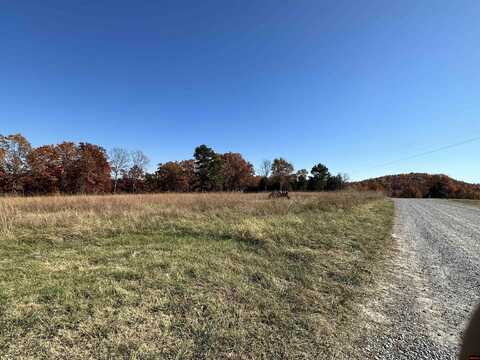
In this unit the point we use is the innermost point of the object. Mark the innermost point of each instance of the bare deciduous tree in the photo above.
(119, 162)
(265, 168)
(264, 171)
(140, 162)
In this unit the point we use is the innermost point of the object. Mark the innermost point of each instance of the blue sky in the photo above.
(352, 84)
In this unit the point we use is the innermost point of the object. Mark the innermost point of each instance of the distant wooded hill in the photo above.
(417, 185)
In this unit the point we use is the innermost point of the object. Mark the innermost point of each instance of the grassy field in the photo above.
(187, 276)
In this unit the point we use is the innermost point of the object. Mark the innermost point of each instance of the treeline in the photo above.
(85, 168)
(417, 185)
(62, 168)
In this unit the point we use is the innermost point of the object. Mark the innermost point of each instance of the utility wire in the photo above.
(428, 152)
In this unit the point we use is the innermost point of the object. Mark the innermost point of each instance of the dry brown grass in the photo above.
(186, 275)
(60, 217)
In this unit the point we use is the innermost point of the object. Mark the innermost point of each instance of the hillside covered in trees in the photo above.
(418, 185)
(70, 168)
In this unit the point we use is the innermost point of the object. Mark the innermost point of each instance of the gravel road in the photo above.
(432, 284)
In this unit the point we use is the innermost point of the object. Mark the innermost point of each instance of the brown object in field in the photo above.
(279, 194)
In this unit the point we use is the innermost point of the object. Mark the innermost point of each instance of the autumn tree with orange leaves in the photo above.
(237, 172)
(92, 170)
(62, 168)
(45, 169)
(172, 177)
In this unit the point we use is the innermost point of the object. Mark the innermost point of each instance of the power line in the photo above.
(428, 152)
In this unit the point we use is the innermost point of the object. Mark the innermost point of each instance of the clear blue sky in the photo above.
(353, 84)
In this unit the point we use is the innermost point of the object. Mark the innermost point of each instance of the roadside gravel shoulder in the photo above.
(431, 284)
